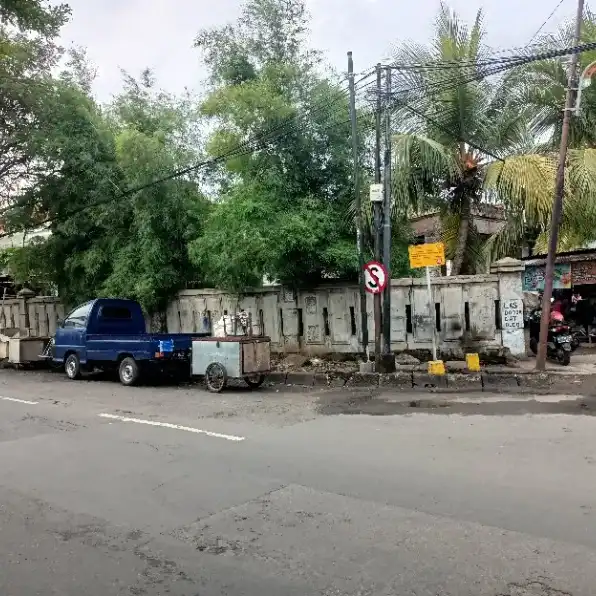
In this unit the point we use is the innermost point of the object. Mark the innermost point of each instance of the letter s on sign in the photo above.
(374, 282)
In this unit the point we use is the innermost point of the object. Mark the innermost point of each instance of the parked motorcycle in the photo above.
(559, 341)
(575, 339)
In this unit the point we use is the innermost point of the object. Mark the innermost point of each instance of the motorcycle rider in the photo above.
(556, 320)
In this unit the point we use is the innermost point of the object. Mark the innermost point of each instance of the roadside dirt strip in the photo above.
(498, 380)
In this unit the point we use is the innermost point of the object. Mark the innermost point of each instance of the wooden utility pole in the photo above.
(358, 197)
(558, 198)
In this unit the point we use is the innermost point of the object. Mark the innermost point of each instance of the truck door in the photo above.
(110, 330)
(71, 336)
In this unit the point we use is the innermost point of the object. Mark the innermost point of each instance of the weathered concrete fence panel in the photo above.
(467, 314)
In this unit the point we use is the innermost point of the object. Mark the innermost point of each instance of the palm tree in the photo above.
(540, 88)
(461, 134)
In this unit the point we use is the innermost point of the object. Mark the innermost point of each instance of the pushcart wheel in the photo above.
(254, 381)
(216, 377)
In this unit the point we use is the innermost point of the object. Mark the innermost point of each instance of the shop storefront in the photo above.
(573, 271)
(574, 280)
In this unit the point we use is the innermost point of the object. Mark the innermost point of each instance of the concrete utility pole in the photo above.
(363, 313)
(377, 218)
(558, 199)
(388, 360)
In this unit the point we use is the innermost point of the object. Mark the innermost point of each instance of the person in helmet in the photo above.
(557, 305)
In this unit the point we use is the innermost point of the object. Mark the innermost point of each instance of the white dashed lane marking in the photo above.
(20, 401)
(188, 429)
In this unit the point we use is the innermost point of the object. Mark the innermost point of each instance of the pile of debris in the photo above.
(315, 364)
(350, 363)
(344, 363)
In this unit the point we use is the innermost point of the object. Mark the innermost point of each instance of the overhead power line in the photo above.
(265, 136)
(514, 53)
(239, 150)
(513, 61)
(261, 140)
(548, 18)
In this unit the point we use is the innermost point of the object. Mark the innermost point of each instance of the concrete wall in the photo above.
(44, 312)
(36, 316)
(467, 312)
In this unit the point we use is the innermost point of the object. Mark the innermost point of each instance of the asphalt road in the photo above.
(106, 491)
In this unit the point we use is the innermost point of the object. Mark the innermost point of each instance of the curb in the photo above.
(490, 381)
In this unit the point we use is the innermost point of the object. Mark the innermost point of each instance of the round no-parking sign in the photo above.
(375, 277)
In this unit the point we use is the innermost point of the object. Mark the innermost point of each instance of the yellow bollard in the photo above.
(436, 367)
(473, 362)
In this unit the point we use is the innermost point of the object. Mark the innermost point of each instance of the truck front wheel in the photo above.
(129, 372)
(72, 367)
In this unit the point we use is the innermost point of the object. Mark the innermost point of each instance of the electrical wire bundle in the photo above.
(478, 70)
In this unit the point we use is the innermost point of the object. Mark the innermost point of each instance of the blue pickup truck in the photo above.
(109, 334)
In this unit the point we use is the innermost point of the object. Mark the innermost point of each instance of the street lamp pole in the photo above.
(387, 359)
(358, 197)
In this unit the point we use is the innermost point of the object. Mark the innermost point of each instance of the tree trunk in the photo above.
(462, 236)
(158, 322)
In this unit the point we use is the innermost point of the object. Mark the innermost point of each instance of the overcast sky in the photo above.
(134, 34)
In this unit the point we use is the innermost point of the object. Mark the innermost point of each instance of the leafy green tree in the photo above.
(106, 240)
(29, 267)
(150, 230)
(38, 16)
(293, 245)
(148, 247)
(74, 176)
(53, 148)
(67, 164)
(283, 201)
(26, 61)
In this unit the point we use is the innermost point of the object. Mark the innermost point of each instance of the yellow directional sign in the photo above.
(426, 255)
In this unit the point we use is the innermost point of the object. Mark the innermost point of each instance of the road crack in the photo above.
(533, 588)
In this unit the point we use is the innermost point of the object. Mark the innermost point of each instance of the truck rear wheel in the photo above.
(129, 372)
(72, 367)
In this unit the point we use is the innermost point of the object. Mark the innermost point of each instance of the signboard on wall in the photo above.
(533, 280)
(512, 314)
(583, 273)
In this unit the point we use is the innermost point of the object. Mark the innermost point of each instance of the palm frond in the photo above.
(516, 117)
(419, 161)
(523, 183)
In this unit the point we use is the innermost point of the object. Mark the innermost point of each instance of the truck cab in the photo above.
(111, 333)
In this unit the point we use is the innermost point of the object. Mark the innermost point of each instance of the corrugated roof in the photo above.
(574, 256)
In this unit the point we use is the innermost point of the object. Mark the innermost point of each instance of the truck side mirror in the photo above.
(59, 322)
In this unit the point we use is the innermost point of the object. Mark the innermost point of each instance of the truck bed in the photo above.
(111, 347)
